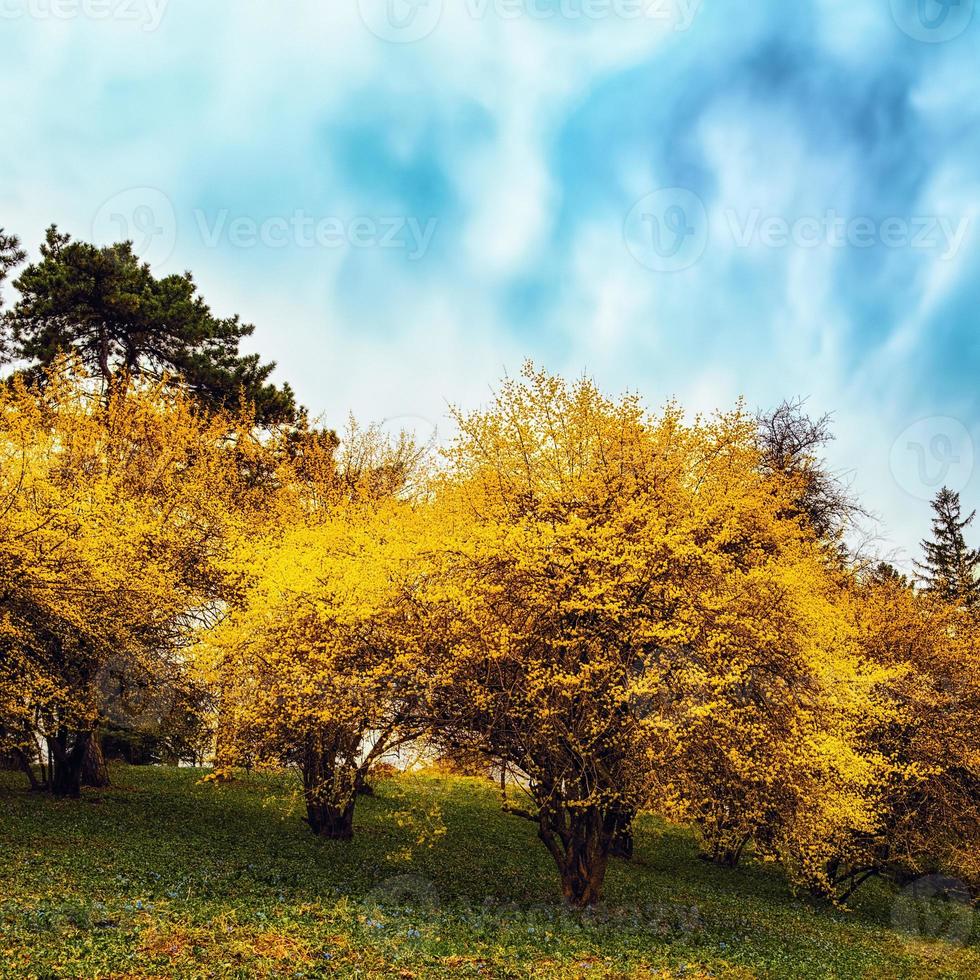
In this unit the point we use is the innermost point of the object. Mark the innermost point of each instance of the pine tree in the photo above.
(11, 254)
(950, 567)
(107, 307)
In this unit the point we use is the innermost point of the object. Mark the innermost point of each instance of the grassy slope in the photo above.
(164, 876)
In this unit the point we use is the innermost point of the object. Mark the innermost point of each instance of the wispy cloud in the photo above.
(405, 218)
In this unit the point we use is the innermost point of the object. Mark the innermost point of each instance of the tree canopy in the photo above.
(107, 307)
(11, 255)
(950, 568)
(112, 519)
(612, 609)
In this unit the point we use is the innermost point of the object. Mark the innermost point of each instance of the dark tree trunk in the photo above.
(95, 772)
(330, 792)
(578, 839)
(334, 823)
(728, 856)
(25, 764)
(584, 872)
(66, 763)
(620, 826)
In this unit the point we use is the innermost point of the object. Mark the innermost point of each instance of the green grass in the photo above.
(165, 876)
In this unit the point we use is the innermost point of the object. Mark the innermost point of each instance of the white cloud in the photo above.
(244, 96)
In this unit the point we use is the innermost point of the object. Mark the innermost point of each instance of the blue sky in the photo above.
(408, 197)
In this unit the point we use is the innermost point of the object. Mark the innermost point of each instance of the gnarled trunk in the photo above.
(583, 870)
(330, 785)
(332, 822)
(727, 852)
(24, 761)
(66, 759)
(579, 841)
(95, 772)
(620, 825)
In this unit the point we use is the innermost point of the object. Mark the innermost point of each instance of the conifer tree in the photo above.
(107, 307)
(11, 254)
(950, 568)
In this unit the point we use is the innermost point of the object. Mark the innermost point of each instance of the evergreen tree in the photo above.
(950, 567)
(885, 573)
(11, 254)
(107, 306)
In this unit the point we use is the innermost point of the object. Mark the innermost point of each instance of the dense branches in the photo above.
(318, 661)
(790, 443)
(636, 621)
(622, 611)
(951, 569)
(11, 255)
(107, 307)
(111, 519)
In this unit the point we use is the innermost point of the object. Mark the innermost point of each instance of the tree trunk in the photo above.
(729, 854)
(584, 872)
(620, 826)
(25, 764)
(579, 841)
(95, 772)
(330, 791)
(66, 763)
(334, 823)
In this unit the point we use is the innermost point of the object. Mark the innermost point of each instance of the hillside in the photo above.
(165, 876)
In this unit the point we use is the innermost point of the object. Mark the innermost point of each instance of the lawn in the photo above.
(165, 875)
